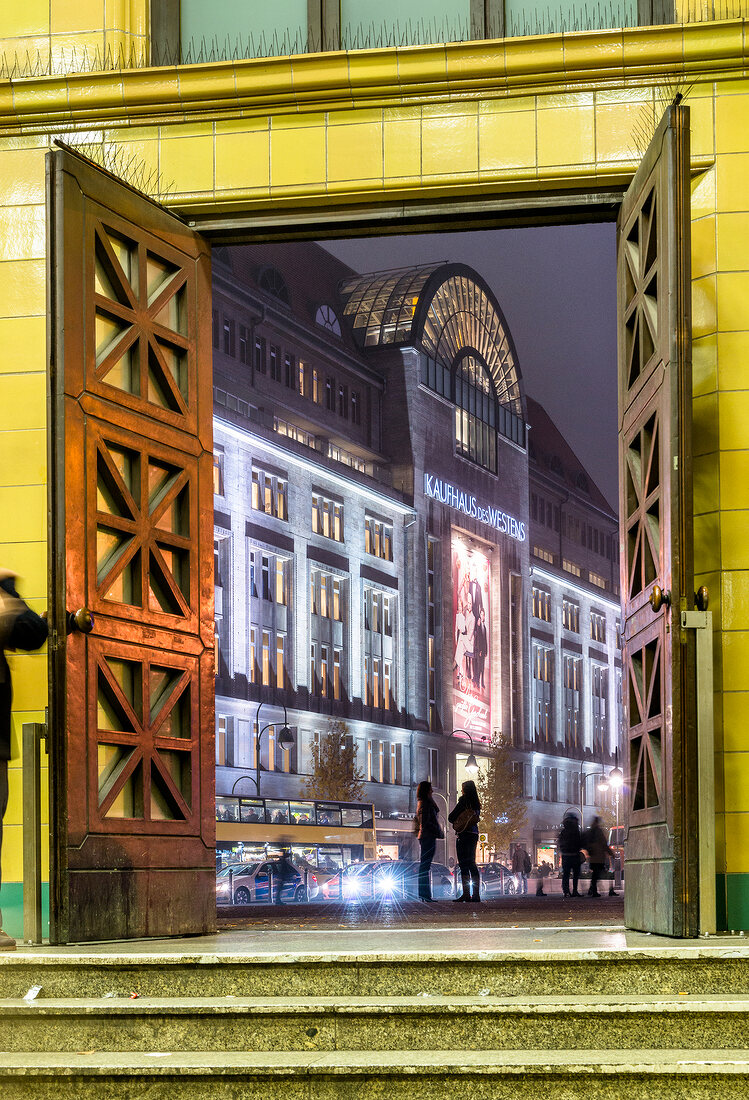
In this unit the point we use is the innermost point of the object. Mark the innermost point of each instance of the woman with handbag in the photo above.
(429, 831)
(465, 821)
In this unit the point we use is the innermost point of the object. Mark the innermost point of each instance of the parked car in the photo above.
(380, 879)
(247, 883)
(496, 880)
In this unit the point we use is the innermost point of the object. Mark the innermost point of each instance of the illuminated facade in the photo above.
(364, 572)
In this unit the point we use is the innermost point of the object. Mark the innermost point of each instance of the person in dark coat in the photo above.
(467, 808)
(479, 652)
(20, 628)
(570, 842)
(429, 831)
(595, 844)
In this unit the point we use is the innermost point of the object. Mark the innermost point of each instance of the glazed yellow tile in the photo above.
(355, 152)
(24, 344)
(24, 401)
(12, 853)
(77, 15)
(732, 181)
(297, 157)
(23, 456)
(734, 546)
(733, 242)
(507, 140)
(22, 177)
(566, 136)
(733, 407)
(509, 104)
(76, 51)
(347, 118)
(243, 160)
(402, 143)
(736, 662)
(707, 542)
(733, 301)
(705, 365)
(20, 20)
(735, 597)
(702, 127)
(29, 672)
(187, 162)
(419, 64)
(22, 232)
(733, 360)
(705, 482)
(732, 123)
(704, 308)
(737, 843)
(592, 51)
(703, 247)
(616, 126)
(22, 288)
(29, 561)
(703, 194)
(449, 145)
(705, 424)
(735, 725)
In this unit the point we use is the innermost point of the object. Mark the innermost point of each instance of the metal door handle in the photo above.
(80, 621)
(658, 597)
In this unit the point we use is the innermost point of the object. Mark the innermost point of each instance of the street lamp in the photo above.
(471, 764)
(285, 741)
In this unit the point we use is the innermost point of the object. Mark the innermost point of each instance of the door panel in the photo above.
(657, 580)
(131, 506)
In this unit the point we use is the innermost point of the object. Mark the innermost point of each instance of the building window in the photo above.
(326, 318)
(216, 333)
(280, 661)
(571, 616)
(355, 408)
(572, 683)
(244, 355)
(325, 595)
(254, 665)
(475, 413)
(597, 580)
(228, 337)
(433, 770)
(541, 604)
(288, 370)
(266, 666)
(330, 394)
(337, 688)
(343, 401)
(600, 700)
(275, 363)
(327, 517)
(570, 567)
(387, 698)
(218, 473)
(543, 682)
(269, 493)
(378, 538)
(260, 365)
(597, 626)
(222, 740)
(316, 386)
(544, 555)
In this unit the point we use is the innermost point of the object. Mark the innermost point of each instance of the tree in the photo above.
(503, 808)
(334, 771)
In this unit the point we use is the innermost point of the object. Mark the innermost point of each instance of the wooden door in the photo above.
(654, 322)
(131, 535)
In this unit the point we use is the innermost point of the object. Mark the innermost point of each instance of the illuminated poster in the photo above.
(471, 633)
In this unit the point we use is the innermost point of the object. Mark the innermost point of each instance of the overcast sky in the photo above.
(557, 289)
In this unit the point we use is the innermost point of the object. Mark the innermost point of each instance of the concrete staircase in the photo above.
(634, 1024)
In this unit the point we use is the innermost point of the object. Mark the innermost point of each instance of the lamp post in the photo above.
(285, 741)
(601, 775)
(472, 768)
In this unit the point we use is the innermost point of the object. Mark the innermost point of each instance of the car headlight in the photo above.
(388, 882)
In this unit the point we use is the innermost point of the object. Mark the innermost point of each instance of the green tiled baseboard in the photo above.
(11, 903)
(732, 897)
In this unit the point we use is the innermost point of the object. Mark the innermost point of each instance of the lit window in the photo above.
(475, 413)
(570, 616)
(269, 494)
(570, 567)
(280, 661)
(266, 658)
(326, 318)
(541, 604)
(336, 674)
(327, 517)
(218, 474)
(378, 538)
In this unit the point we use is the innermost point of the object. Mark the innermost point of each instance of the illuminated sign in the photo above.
(446, 493)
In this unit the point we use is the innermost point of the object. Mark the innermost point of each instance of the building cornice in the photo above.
(635, 57)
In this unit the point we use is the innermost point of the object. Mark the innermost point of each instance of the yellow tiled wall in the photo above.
(71, 33)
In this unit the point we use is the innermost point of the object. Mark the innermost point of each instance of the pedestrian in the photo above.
(570, 842)
(595, 844)
(284, 874)
(542, 871)
(20, 628)
(464, 819)
(429, 831)
(521, 866)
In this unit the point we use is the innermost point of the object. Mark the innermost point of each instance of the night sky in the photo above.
(557, 289)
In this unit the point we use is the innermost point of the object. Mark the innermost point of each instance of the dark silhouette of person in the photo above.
(284, 874)
(480, 648)
(466, 813)
(570, 842)
(595, 843)
(429, 831)
(20, 628)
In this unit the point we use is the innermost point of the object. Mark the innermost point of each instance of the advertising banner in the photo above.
(471, 633)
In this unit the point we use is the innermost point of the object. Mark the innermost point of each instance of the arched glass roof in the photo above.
(444, 309)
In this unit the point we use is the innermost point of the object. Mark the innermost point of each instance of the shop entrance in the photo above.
(132, 717)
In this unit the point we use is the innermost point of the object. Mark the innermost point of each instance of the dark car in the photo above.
(246, 883)
(496, 880)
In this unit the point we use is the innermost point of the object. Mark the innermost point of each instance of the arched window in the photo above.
(271, 280)
(326, 318)
(475, 412)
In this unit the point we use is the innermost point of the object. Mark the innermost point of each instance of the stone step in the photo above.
(400, 1075)
(654, 971)
(381, 1024)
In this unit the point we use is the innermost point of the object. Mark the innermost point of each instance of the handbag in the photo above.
(465, 819)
